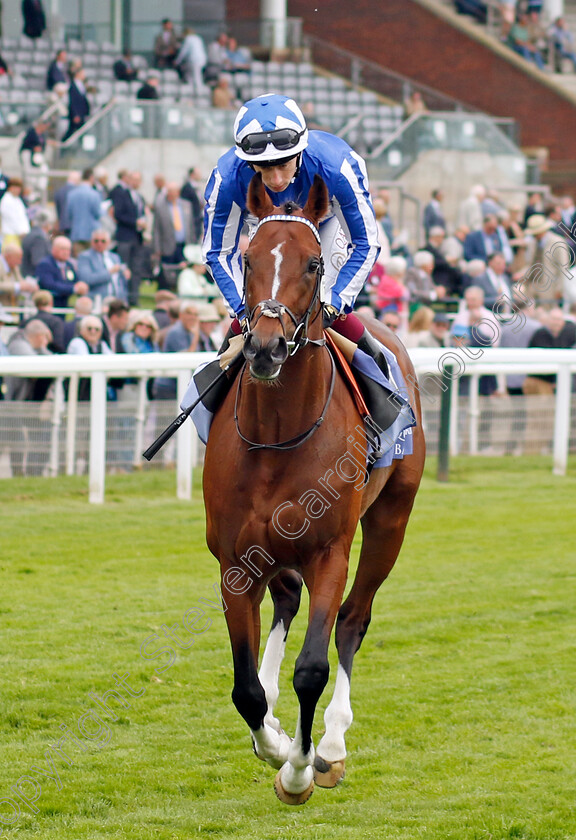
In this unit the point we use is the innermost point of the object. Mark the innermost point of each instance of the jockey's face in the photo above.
(277, 178)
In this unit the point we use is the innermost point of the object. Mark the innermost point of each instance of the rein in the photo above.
(297, 440)
(276, 309)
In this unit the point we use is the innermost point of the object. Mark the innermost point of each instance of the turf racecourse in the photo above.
(463, 691)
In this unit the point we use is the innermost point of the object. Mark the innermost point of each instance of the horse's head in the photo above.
(283, 271)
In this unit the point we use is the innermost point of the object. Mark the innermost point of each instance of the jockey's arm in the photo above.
(356, 215)
(223, 224)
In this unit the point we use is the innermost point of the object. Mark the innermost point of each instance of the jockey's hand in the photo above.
(329, 315)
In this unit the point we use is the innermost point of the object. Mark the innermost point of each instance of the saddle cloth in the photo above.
(389, 437)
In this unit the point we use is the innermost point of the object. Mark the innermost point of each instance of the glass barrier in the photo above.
(448, 132)
(150, 120)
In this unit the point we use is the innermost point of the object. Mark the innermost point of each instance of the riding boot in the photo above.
(229, 352)
(384, 403)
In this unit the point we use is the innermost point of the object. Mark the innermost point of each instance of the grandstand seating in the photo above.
(335, 102)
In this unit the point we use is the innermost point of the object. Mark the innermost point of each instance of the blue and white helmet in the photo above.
(269, 127)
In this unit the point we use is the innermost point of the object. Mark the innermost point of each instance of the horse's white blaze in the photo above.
(270, 671)
(337, 719)
(277, 252)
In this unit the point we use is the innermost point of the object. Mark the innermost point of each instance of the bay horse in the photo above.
(281, 507)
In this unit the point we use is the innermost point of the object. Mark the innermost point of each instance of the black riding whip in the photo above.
(175, 424)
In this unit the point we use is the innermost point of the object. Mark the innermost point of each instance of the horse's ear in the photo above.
(258, 201)
(317, 203)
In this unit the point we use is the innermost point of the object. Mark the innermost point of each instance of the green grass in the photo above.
(463, 691)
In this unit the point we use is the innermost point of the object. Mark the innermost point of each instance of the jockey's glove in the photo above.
(329, 314)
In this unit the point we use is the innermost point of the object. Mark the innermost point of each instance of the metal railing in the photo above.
(427, 362)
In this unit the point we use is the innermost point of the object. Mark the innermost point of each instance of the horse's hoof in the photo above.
(292, 798)
(328, 774)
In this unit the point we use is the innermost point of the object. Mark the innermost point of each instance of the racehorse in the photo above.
(284, 489)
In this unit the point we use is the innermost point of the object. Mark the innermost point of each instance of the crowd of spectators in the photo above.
(492, 275)
(525, 29)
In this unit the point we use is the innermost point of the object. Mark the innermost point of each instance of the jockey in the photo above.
(271, 137)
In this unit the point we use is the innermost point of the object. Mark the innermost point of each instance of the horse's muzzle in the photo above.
(265, 359)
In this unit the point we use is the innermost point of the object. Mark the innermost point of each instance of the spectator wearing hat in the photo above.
(12, 284)
(166, 45)
(14, 221)
(547, 254)
(36, 244)
(210, 337)
(44, 303)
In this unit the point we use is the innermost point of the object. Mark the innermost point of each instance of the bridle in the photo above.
(275, 309)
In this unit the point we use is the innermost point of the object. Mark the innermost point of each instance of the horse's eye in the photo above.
(314, 265)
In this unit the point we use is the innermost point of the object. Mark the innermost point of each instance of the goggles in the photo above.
(283, 139)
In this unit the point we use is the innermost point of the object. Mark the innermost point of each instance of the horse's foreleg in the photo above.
(248, 695)
(295, 781)
(383, 528)
(285, 589)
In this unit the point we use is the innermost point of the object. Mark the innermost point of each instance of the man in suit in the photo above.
(189, 192)
(172, 229)
(149, 89)
(34, 18)
(57, 274)
(61, 200)
(480, 244)
(129, 212)
(78, 105)
(36, 244)
(124, 69)
(433, 213)
(57, 71)
(83, 208)
(166, 45)
(495, 284)
(102, 270)
(44, 303)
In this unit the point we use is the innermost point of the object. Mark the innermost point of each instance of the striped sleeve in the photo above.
(222, 227)
(356, 216)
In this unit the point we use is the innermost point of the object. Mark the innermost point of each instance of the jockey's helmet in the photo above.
(270, 128)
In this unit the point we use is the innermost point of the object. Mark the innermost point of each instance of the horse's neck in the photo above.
(287, 407)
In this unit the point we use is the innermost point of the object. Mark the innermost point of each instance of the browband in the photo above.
(282, 218)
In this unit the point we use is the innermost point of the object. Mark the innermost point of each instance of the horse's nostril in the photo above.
(279, 350)
(251, 346)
